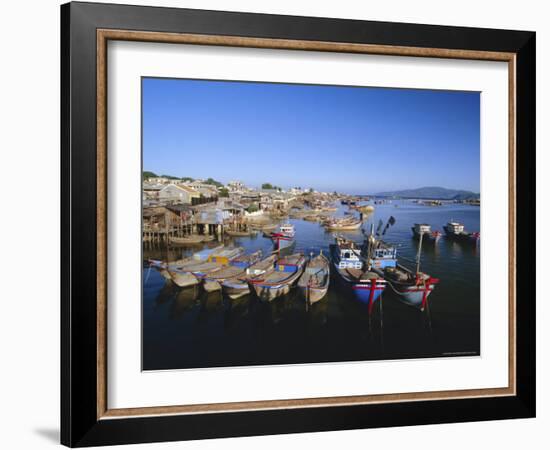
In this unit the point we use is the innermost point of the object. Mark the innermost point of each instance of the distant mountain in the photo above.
(431, 192)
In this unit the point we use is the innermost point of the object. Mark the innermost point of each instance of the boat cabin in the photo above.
(349, 257)
(287, 230)
(383, 257)
(455, 227)
(421, 228)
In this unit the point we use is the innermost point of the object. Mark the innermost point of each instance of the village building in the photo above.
(178, 193)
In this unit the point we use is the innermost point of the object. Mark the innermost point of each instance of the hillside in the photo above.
(431, 192)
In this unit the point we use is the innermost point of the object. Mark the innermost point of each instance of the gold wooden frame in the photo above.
(104, 35)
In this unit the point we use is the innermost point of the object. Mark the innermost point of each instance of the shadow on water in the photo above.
(185, 328)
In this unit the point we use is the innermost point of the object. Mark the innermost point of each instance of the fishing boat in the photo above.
(238, 286)
(191, 274)
(412, 287)
(313, 284)
(284, 240)
(237, 233)
(279, 282)
(456, 232)
(236, 267)
(186, 240)
(163, 266)
(425, 230)
(344, 224)
(354, 273)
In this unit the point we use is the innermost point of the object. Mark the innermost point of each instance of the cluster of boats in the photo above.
(238, 274)
(364, 270)
(453, 230)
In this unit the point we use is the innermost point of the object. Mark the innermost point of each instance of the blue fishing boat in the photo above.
(353, 272)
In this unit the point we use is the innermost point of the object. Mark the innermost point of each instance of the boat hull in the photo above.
(461, 237)
(313, 294)
(267, 292)
(428, 237)
(183, 279)
(414, 295)
(211, 286)
(284, 246)
(365, 292)
(235, 289)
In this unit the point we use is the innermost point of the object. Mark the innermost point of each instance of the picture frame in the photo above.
(86, 419)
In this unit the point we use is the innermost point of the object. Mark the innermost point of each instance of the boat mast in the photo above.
(419, 252)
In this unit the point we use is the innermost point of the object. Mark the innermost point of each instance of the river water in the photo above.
(191, 329)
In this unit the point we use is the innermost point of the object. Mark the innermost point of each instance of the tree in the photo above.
(252, 208)
(224, 192)
(213, 182)
(187, 179)
(267, 186)
(147, 175)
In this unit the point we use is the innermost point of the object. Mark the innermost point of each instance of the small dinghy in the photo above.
(192, 273)
(186, 240)
(278, 283)
(163, 266)
(238, 286)
(314, 282)
(237, 267)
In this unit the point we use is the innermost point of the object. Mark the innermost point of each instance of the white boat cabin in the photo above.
(349, 258)
(455, 227)
(287, 229)
(422, 228)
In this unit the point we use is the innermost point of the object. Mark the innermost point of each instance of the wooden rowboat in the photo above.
(278, 283)
(313, 284)
(238, 286)
(187, 240)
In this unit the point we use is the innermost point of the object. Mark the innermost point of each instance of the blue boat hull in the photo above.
(366, 292)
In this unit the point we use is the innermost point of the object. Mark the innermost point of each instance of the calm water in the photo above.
(189, 328)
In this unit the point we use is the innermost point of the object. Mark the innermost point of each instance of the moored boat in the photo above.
(283, 240)
(279, 282)
(455, 231)
(314, 282)
(186, 240)
(163, 266)
(344, 224)
(236, 267)
(412, 287)
(183, 275)
(353, 272)
(239, 286)
(238, 233)
(425, 230)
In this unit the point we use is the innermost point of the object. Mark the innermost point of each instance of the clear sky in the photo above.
(349, 139)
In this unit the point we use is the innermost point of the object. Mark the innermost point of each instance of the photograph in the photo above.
(299, 224)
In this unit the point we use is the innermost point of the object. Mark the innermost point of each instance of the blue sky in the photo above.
(349, 139)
